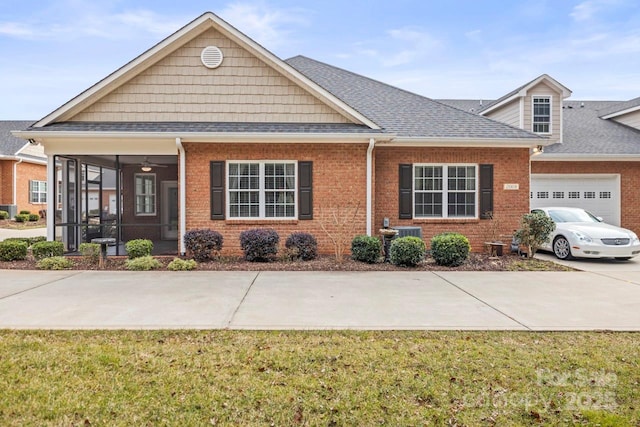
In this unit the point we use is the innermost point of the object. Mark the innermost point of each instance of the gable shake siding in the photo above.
(180, 88)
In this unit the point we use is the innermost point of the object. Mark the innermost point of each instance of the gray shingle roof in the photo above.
(584, 131)
(404, 113)
(619, 106)
(208, 127)
(9, 144)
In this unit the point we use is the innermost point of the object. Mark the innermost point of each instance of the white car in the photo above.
(580, 234)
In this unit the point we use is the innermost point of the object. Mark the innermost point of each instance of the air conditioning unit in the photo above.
(12, 209)
(407, 230)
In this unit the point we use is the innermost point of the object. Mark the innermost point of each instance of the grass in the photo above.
(318, 378)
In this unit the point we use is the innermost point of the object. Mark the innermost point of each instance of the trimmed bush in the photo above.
(4, 215)
(21, 217)
(366, 249)
(137, 248)
(302, 246)
(204, 244)
(54, 263)
(13, 250)
(90, 252)
(142, 263)
(179, 264)
(42, 250)
(28, 240)
(450, 249)
(24, 212)
(407, 251)
(34, 217)
(259, 244)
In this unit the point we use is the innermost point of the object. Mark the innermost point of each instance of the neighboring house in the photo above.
(23, 172)
(208, 129)
(595, 160)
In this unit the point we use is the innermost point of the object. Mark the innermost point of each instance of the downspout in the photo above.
(15, 183)
(372, 143)
(183, 196)
(51, 202)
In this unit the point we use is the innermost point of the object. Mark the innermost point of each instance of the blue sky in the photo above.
(51, 50)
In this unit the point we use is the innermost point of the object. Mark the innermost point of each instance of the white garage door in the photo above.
(597, 193)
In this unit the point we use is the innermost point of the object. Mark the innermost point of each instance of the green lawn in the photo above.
(137, 378)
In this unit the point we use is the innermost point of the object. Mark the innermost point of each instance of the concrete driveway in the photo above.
(587, 300)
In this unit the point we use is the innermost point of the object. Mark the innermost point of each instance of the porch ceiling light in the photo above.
(146, 168)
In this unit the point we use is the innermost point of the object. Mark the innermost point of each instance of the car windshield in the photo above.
(573, 215)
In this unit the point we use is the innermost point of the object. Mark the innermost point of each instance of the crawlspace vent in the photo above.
(211, 56)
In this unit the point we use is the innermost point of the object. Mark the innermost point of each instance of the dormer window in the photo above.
(542, 114)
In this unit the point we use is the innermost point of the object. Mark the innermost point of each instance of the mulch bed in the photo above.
(476, 262)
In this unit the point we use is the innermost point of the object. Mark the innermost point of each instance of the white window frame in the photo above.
(154, 195)
(533, 113)
(445, 190)
(39, 189)
(262, 190)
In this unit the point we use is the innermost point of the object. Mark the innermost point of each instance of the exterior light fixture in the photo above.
(146, 168)
(538, 150)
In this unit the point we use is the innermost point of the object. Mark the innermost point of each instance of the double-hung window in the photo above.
(445, 191)
(145, 197)
(261, 189)
(542, 114)
(37, 191)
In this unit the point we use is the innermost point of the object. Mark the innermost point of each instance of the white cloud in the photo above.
(269, 27)
(584, 11)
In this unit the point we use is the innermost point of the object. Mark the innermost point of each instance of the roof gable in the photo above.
(524, 89)
(166, 63)
(620, 109)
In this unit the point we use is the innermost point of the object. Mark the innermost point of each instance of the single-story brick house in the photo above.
(208, 129)
(23, 171)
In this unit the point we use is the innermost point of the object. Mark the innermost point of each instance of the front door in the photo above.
(169, 210)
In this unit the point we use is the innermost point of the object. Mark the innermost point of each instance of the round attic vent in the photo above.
(211, 57)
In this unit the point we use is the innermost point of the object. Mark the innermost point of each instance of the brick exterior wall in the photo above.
(629, 179)
(510, 166)
(25, 172)
(339, 181)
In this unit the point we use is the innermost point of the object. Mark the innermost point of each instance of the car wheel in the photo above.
(623, 258)
(562, 248)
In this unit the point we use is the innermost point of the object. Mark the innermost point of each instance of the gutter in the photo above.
(183, 197)
(468, 142)
(372, 144)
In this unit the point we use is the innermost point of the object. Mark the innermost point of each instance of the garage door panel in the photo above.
(599, 194)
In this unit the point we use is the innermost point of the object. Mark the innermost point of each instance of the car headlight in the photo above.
(582, 237)
(634, 237)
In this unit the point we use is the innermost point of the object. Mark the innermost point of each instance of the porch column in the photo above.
(51, 194)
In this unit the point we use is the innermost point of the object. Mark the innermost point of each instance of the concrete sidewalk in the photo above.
(321, 300)
(5, 233)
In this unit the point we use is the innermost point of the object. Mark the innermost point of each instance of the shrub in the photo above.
(204, 244)
(366, 249)
(137, 248)
(54, 263)
(535, 229)
(21, 217)
(182, 264)
(142, 263)
(42, 250)
(34, 217)
(302, 246)
(259, 244)
(90, 251)
(407, 251)
(12, 250)
(35, 239)
(450, 249)
(24, 212)
(4, 215)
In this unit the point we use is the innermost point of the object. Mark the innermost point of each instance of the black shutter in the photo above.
(305, 190)
(486, 191)
(217, 189)
(405, 182)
